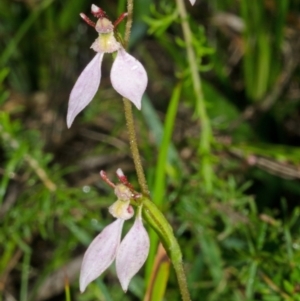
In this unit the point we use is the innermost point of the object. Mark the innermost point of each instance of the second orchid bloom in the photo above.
(130, 253)
(128, 76)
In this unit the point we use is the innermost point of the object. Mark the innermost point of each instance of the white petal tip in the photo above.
(120, 172)
(192, 2)
(95, 8)
(83, 283)
(138, 104)
(69, 121)
(82, 287)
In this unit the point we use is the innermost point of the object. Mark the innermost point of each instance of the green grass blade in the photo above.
(25, 276)
(159, 186)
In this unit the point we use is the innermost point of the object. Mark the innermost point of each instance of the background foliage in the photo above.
(237, 220)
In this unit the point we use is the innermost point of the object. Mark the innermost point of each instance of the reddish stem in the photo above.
(87, 20)
(104, 177)
(123, 179)
(120, 19)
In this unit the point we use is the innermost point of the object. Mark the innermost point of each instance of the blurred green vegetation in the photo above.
(241, 240)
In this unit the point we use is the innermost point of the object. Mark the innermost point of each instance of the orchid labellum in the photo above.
(128, 76)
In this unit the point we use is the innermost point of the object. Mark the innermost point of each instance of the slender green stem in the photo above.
(25, 276)
(151, 213)
(206, 133)
(129, 22)
(134, 147)
(158, 222)
(129, 116)
(67, 289)
(181, 278)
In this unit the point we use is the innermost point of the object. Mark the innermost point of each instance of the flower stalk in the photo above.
(151, 213)
(134, 147)
(129, 116)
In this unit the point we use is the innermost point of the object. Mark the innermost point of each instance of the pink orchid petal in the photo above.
(129, 77)
(132, 253)
(85, 88)
(100, 253)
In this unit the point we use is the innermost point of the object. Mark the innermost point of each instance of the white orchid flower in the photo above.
(128, 76)
(130, 254)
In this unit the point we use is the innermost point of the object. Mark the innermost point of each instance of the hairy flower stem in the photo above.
(134, 147)
(129, 22)
(151, 213)
(129, 116)
(206, 132)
